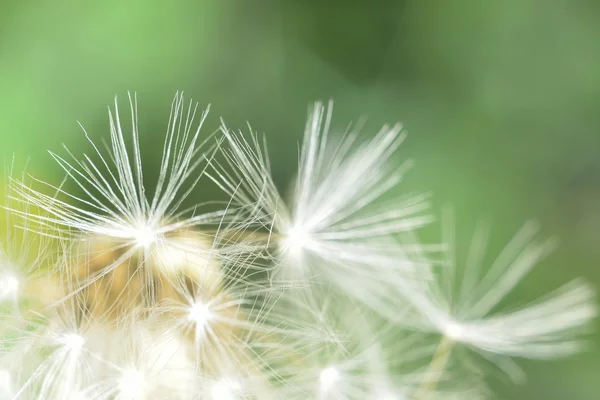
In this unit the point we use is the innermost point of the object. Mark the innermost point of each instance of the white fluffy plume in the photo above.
(465, 303)
(114, 200)
(113, 291)
(341, 208)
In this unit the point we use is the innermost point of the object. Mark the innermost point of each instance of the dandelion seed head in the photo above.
(209, 327)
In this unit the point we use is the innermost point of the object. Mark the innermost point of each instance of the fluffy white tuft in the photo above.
(323, 295)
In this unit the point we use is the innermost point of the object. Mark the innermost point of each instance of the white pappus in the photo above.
(341, 208)
(325, 294)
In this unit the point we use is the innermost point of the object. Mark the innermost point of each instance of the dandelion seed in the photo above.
(224, 322)
(60, 337)
(115, 203)
(544, 329)
(335, 353)
(138, 362)
(333, 224)
(22, 254)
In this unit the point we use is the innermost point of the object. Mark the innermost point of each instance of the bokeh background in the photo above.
(501, 101)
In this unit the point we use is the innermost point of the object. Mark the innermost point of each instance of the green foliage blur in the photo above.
(501, 101)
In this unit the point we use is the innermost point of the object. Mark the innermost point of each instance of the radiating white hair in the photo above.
(327, 294)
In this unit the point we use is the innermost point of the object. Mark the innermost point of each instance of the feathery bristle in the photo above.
(328, 294)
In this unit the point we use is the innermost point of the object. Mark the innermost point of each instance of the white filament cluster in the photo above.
(324, 294)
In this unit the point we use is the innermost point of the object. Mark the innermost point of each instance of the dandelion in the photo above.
(336, 222)
(229, 339)
(115, 203)
(116, 294)
(335, 355)
(468, 311)
(22, 255)
(53, 352)
(342, 350)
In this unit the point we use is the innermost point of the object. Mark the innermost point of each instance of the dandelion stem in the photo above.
(436, 369)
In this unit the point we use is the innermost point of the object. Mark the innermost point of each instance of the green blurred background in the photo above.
(501, 100)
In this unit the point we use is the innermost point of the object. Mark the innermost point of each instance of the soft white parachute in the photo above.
(114, 291)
